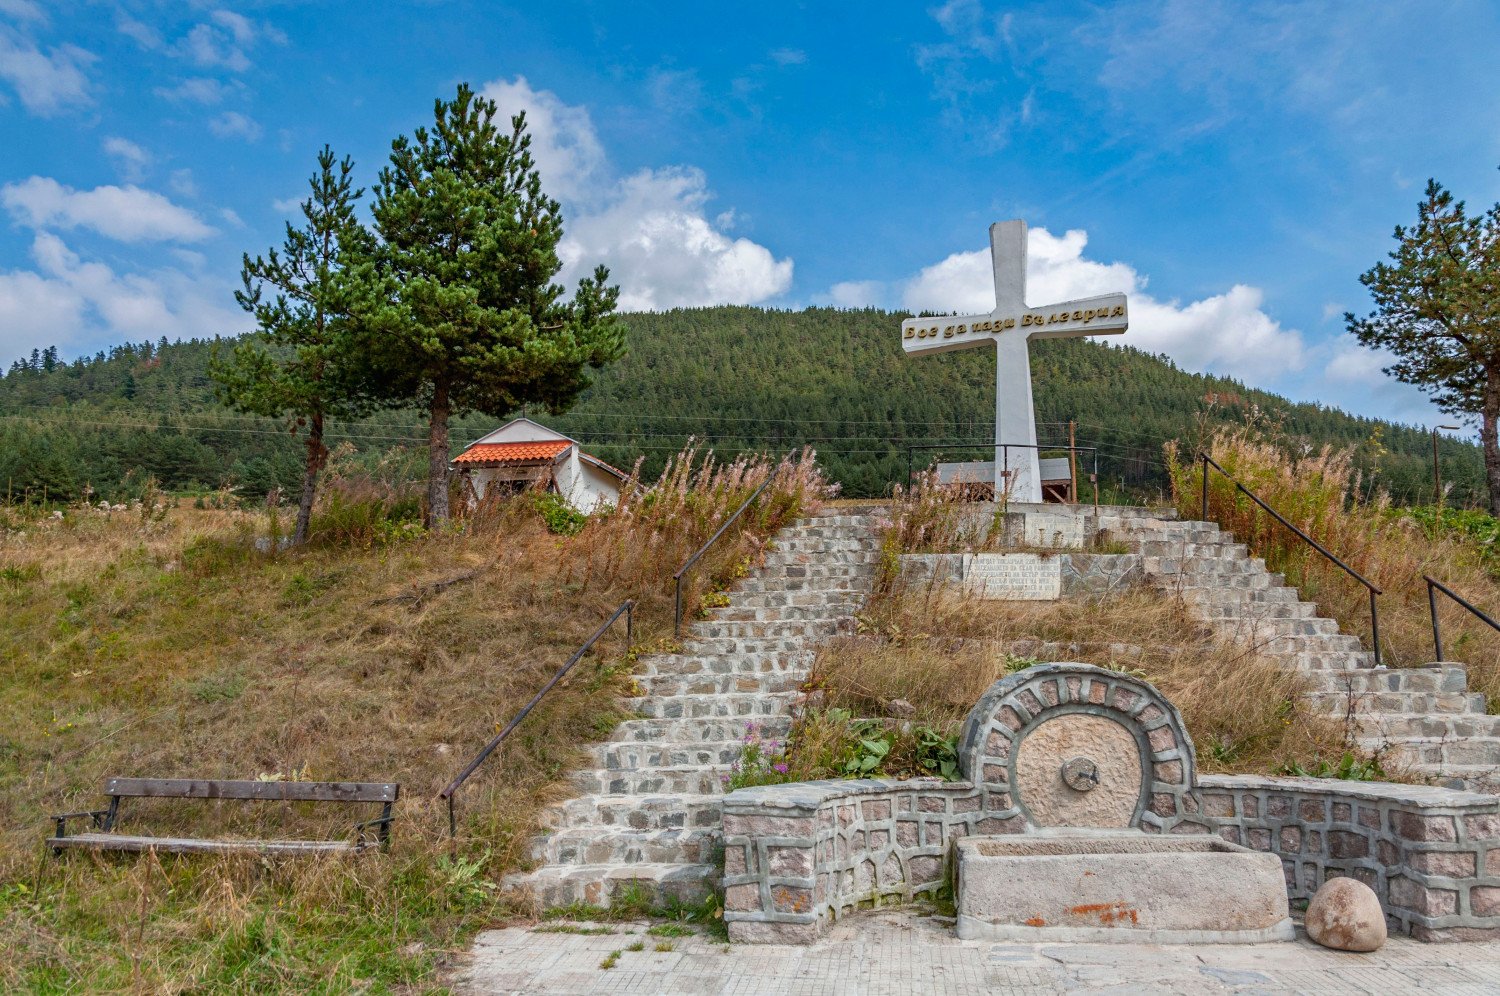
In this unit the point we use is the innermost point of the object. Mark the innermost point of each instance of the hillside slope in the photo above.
(735, 377)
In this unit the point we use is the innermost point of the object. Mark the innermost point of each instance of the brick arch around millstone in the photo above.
(1017, 706)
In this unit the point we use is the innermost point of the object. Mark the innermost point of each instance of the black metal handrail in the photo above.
(1208, 461)
(1433, 587)
(627, 610)
(682, 571)
(1005, 449)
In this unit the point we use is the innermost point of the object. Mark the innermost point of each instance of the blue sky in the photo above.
(1233, 166)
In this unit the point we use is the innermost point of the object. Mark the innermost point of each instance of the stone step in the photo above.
(1468, 777)
(1403, 726)
(638, 812)
(824, 545)
(1241, 582)
(781, 613)
(1434, 754)
(833, 602)
(692, 730)
(645, 756)
(596, 885)
(806, 629)
(748, 705)
(1252, 611)
(1184, 548)
(760, 584)
(830, 574)
(1329, 660)
(1238, 596)
(1376, 703)
(592, 846)
(1432, 679)
(1289, 644)
(747, 662)
(721, 684)
(724, 646)
(1210, 567)
(1266, 627)
(654, 780)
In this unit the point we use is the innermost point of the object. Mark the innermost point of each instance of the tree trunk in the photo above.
(317, 455)
(1490, 422)
(437, 457)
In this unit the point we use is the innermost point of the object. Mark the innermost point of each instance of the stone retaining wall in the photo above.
(1432, 855)
(1078, 573)
(797, 856)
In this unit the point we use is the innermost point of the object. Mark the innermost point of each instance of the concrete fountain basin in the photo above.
(1124, 886)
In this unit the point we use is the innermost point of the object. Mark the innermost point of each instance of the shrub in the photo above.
(562, 519)
(1321, 492)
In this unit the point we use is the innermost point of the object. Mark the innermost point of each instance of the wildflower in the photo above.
(780, 767)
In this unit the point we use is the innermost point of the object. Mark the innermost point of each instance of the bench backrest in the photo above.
(203, 788)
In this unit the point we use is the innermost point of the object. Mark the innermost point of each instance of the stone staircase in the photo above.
(649, 812)
(1423, 720)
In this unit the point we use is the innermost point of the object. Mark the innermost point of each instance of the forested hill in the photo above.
(733, 377)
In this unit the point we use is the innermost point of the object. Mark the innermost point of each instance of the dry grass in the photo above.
(940, 651)
(173, 647)
(1320, 492)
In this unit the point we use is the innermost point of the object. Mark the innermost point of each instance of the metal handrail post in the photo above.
(1432, 605)
(1437, 632)
(452, 790)
(677, 578)
(1374, 610)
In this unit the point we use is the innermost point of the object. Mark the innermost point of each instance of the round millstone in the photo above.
(1045, 789)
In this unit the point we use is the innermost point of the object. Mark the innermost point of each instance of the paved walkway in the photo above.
(898, 953)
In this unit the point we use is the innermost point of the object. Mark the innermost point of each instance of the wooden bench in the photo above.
(105, 839)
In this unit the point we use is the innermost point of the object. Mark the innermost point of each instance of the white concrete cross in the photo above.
(1010, 327)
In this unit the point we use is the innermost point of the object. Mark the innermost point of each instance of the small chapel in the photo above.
(524, 454)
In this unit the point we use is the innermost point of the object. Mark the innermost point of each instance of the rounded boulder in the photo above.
(1345, 914)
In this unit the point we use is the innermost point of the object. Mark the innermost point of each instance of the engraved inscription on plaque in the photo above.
(1013, 576)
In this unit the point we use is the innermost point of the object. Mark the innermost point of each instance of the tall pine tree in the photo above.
(1437, 309)
(303, 366)
(470, 245)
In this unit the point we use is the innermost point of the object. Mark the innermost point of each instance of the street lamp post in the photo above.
(1437, 477)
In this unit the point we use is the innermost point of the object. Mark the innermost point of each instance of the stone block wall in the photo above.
(1078, 573)
(797, 856)
(1431, 854)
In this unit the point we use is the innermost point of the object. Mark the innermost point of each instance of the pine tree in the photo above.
(470, 244)
(303, 365)
(1437, 308)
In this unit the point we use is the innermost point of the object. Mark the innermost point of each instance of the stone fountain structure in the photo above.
(1081, 817)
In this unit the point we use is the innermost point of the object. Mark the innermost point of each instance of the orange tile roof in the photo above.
(512, 452)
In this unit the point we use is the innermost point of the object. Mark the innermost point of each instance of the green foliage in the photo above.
(1437, 311)
(69, 427)
(761, 762)
(473, 321)
(561, 518)
(937, 754)
(1348, 768)
(1479, 528)
(303, 365)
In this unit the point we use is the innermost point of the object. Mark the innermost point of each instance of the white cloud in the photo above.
(233, 124)
(143, 34)
(67, 300)
(563, 141)
(23, 10)
(127, 213)
(130, 159)
(195, 90)
(1352, 363)
(1227, 333)
(665, 253)
(857, 294)
(182, 183)
(46, 82)
(651, 229)
(788, 56)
